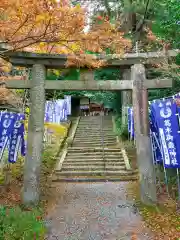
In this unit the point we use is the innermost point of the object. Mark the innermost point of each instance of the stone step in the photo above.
(95, 178)
(75, 150)
(95, 124)
(106, 118)
(89, 140)
(99, 122)
(95, 144)
(92, 155)
(92, 169)
(93, 129)
(93, 137)
(93, 163)
(87, 149)
(95, 152)
(95, 141)
(106, 167)
(95, 119)
(95, 173)
(100, 131)
(96, 134)
(94, 158)
(115, 149)
(104, 125)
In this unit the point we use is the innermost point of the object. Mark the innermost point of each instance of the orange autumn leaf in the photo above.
(46, 26)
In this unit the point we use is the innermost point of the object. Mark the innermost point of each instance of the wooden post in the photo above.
(33, 159)
(126, 97)
(143, 144)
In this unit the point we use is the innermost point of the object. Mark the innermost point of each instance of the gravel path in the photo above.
(95, 211)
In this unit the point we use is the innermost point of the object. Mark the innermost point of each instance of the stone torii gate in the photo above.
(37, 86)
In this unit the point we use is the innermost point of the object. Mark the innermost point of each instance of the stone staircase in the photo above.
(94, 154)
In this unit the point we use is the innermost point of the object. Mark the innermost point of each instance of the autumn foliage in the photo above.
(47, 27)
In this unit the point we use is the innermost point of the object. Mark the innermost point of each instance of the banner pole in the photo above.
(156, 170)
(178, 184)
(177, 170)
(165, 174)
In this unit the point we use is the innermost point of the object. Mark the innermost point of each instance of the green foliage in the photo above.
(49, 159)
(51, 75)
(109, 99)
(73, 74)
(107, 74)
(166, 24)
(104, 97)
(162, 93)
(16, 224)
(121, 130)
(167, 27)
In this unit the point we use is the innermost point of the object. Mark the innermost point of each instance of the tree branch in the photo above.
(106, 3)
(141, 23)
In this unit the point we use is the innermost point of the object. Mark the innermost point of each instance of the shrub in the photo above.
(21, 225)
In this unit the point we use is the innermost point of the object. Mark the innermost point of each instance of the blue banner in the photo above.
(62, 112)
(17, 138)
(47, 110)
(129, 119)
(6, 128)
(165, 114)
(156, 147)
(132, 125)
(68, 100)
(12, 135)
(56, 111)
